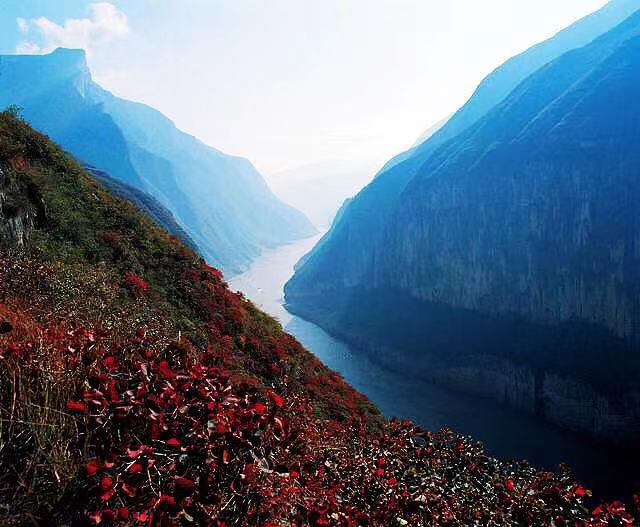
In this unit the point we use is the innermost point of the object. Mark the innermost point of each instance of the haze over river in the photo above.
(504, 432)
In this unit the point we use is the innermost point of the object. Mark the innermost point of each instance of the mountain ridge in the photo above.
(222, 201)
(349, 245)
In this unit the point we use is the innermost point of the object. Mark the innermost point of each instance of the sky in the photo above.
(288, 83)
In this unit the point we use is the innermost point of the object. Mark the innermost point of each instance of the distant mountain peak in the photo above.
(31, 73)
(69, 59)
(69, 52)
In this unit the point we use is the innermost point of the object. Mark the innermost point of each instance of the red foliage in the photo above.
(136, 283)
(75, 406)
(249, 429)
(92, 467)
(19, 163)
(182, 439)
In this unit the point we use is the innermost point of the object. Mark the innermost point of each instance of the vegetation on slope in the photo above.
(146, 204)
(138, 390)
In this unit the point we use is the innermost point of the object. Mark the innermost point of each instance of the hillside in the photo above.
(524, 231)
(146, 204)
(221, 201)
(141, 391)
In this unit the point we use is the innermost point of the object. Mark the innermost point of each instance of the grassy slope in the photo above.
(140, 390)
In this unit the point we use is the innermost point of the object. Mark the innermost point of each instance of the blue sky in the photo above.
(293, 82)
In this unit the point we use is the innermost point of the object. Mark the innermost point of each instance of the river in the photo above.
(505, 433)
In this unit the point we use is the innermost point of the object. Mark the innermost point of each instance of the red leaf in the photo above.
(173, 442)
(165, 370)
(107, 495)
(92, 467)
(129, 490)
(133, 454)
(155, 431)
(136, 468)
(184, 484)
(136, 283)
(75, 406)
(106, 483)
(259, 408)
(277, 400)
(110, 363)
(509, 485)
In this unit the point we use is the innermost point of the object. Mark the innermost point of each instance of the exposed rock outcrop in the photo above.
(18, 217)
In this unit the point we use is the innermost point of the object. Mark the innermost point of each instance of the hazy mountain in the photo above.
(222, 201)
(510, 263)
(351, 242)
(320, 189)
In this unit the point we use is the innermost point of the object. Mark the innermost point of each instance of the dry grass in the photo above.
(35, 434)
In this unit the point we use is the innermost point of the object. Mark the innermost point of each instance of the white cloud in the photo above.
(27, 47)
(104, 24)
(23, 25)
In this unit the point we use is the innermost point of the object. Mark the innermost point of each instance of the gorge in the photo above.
(180, 344)
(140, 388)
(506, 432)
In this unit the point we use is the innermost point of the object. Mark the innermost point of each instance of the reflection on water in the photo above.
(505, 432)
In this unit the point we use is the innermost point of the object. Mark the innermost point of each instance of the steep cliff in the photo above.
(20, 210)
(220, 200)
(518, 239)
(346, 256)
(533, 211)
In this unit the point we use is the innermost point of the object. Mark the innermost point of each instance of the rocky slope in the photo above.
(138, 390)
(517, 239)
(221, 201)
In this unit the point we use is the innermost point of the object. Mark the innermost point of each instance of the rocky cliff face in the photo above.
(345, 257)
(534, 210)
(21, 210)
(527, 242)
(517, 240)
(566, 401)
